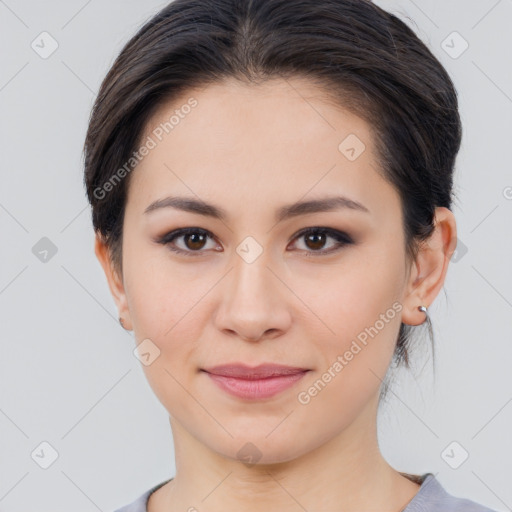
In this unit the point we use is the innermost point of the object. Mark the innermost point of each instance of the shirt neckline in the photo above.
(427, 482)
(428, 485)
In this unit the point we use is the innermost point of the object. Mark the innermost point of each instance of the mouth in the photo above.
(256, 383)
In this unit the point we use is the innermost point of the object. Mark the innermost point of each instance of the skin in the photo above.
(250, 150)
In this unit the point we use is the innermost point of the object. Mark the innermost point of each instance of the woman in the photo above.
(271, 184)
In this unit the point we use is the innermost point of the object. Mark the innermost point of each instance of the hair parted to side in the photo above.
(366, 59)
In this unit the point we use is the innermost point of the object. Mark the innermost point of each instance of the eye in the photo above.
(194, 240)
(315, 238)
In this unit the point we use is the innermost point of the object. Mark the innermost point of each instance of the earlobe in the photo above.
(115, 282)
(430, 267)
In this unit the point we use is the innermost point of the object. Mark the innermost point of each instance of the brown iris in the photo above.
(195, 240)
(318, 240)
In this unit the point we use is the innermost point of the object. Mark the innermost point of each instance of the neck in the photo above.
(346, 473)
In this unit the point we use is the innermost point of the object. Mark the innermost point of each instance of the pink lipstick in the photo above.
(259, 382)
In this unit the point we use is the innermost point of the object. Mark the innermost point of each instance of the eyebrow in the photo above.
(199, 207)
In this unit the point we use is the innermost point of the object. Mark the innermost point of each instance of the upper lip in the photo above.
(262, 371)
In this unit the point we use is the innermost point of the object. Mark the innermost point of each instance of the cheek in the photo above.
(348, 300)
(360, 320)
(169, 316)
(165, 311)
(160, 296)
(356, 357)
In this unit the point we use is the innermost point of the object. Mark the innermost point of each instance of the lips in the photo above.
(262, 371)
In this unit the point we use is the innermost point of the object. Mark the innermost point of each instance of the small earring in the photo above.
(423, 309)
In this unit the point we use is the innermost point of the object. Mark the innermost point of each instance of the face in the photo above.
(252, 287)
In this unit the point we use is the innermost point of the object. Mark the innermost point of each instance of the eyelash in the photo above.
(341, 238)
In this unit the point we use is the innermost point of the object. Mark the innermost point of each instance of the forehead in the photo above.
(267, 141)
(298, 106)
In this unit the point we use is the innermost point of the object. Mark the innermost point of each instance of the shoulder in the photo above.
(140, 504)
(432, 497)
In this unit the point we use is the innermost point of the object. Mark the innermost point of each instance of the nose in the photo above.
(254, 302)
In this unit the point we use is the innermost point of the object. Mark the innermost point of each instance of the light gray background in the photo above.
(68, 374)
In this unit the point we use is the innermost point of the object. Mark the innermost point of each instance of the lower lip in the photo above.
(257, 388)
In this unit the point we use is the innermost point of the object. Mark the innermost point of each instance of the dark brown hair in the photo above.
(365, 58)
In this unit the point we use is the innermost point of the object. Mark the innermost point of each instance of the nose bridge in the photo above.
(251, 259)
(251, 274)
(251, 279)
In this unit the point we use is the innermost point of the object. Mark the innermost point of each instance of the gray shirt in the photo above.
(431, 497)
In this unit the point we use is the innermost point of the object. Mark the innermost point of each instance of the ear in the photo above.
(429, 269)
(115, 282)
